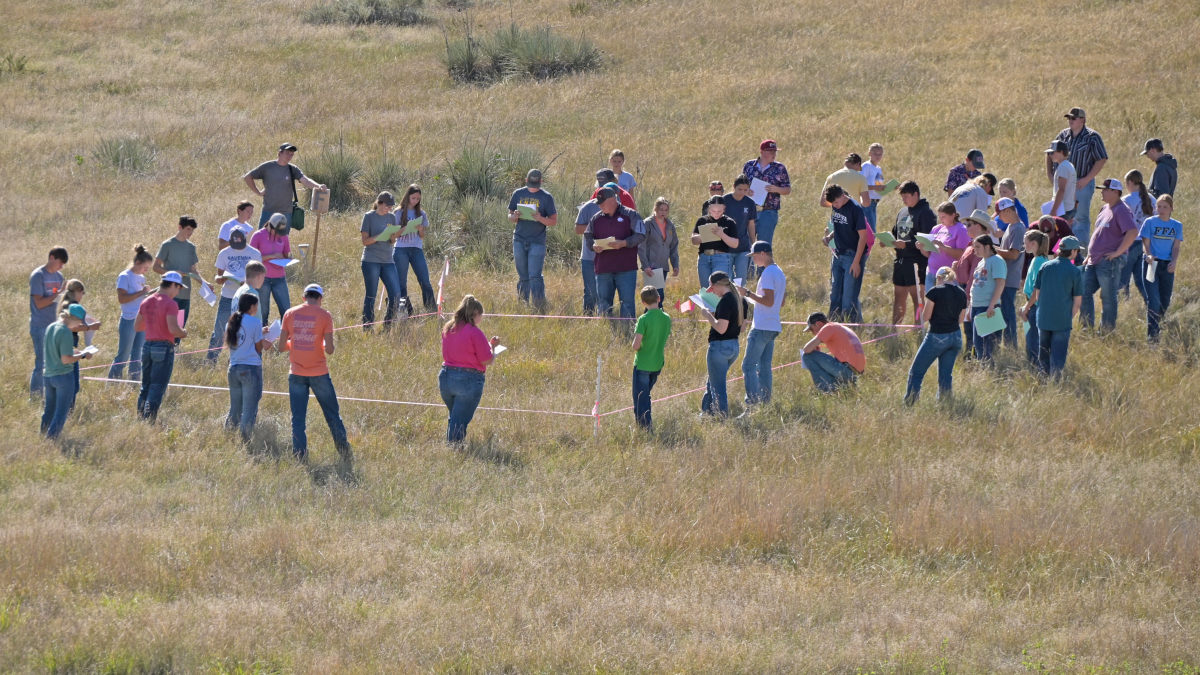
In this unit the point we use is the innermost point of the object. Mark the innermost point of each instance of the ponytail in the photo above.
(1147, 204)
(740, 302)
(140, 255)
(245, 304)
(70, 294)
(465, 314)
(986, 240)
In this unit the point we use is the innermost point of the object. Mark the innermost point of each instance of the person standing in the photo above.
(911, 262)
(307, 336)
(73, 295)
(61, 361)
(741, 208)
(1007, 189)
(775, 175)
(131, 290)
(1012, 251)
(279, 178)
(1166, 169)
(660, 249)
(766, 324)
(849, 236)
(273, 243)
(624, 179)
(715, 189)
(649, 339)
(377, 262)
(178, 254)
(410, 249)
(529, 237)
(1106, 254)
(715, 255)
(1037, 248)
(950, 238)
(617, 262)
(1162, 236)
(974, 195)
(1141, 205)
(158, 316)
(1087, 154)
(45, 283)
(850, 178)
(845, 360)
(255, 275)
(245, 211)
(587, 257)
(725, 326)
(987, 286)
(960, 174)
(1057, 294)
(231, 272)
(978, 225)
(606, 178)
(1063, 181)
(945, 309)
(244, 337)
(466, 354)
(873, 174)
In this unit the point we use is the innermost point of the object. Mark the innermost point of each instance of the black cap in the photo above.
(533, 178)
(605, 176)
(815, 317)
(1153, 144)
(604, 194)
(716, 277)
(976, 157)
(287, 147)
(760, 246)
(1058, 146)
(237, 240)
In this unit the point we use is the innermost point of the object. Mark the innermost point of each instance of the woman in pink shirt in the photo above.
(950, 238)
(466, 353)
(272, 242)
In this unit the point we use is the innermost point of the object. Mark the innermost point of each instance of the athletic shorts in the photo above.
(903, 274)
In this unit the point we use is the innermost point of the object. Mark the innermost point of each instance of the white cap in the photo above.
(173, 277)
(314, 288)
(1112, 184)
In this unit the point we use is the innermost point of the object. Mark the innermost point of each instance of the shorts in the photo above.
(903, 274)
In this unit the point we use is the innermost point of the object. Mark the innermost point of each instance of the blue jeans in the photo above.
(940, 347)
(1133, 270)
(530, 258)
(273, 288)
(871, 214)
(322, 388)
(1103, 276)
(218, 332)
(643, 383)
(1052, 350)
(756, 365)
(1082, 227)
(764, 225)
(461, 389)
(1031, 338)
(844, 288)
(588, 272)
(414, 256)
(721, 355)
(36, 378)
(741, 264)
(1158, 297)
(717, 262)
(985, 345)
(827, 372)
(610, 283)
(129, 349)
(59, 393)
(266, 215)
(1008, 310)
(158, 360)
(245, 391)
(372, 272)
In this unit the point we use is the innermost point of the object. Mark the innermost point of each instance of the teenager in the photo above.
(766, 325)
(741, 208)
(587, 257)
(307, 336)
(279, 178)
(231, 272)
(255, 276)
(872, 172)
(660, 249)
(245, 212)
(649, 340)
(850, 235)
(977, 225)
(1106, 254)
(377, 262)
(605, 178)
(961, 173)
(950, 239)
(775, 175)
(715, 189)
(1057, 294)
(273, 243)
(61, 359)
(987, 285)
(529, 237)
(1012, 251)
(73, 295)
(851, 180)
(616, 262)
(1162, 237)
(911, 264)
(1141, 205)
(975, 194)
(945, 309)
(178, 254)
(1062, 182)
(1007, 189)
(616, 160)
(715, 256)
(1037, 249)
(158, 317)
(1166, 169)
(725, 326)
(845, 360)
(244, 337)
(131, 290)
(466, 354)
(410, 250)
(45, 283)
(1055, 228)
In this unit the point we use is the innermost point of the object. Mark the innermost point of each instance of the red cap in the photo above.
(768, 145)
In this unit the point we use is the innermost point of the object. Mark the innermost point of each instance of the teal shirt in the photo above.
(655, 327)
(1031, 278)
(60, 342)
(1058, 283)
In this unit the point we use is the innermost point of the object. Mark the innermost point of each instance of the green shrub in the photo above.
(483, 234)
(361, 12)
(339, 172)
(130, 155)
(516, 52)
(382, 174)
(483, 171)
(13, 63)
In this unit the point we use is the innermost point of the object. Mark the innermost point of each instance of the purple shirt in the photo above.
(1111, 226)
(954, 236)
(958, 177)
(775, 174)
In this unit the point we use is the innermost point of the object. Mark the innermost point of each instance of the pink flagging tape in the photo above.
(347, 398)
(625, 318)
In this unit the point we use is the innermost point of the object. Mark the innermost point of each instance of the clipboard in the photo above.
(527, 212)
(885, 238)
(927, 241)
(888, 187)
(411, 227)
(384, 236)
(708, 233)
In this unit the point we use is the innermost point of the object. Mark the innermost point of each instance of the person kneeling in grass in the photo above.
(1057, 294)
(244, 337)
(845, 361)
(58, 376)
(466, 354)
(650, 338)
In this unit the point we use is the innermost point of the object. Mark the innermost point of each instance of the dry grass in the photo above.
(1024, 527)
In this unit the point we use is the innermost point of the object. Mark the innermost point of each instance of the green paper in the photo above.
(387, 233)
(194, 276)
(711, 299)
(985, 326)
(927, 241)
(527, 212)
(888, 187)
(1025, 327)
(411, 227)
(885, 238)
(832, 243)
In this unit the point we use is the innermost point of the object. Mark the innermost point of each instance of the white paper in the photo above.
(1150, 270)
(90, 349)
(284, 262)
(759, 188)
(89, 334)
(738, 282)
(498, 350)
(206, 292)
(659, 280)
(1046, 208)
(274, 330)
(699, 302)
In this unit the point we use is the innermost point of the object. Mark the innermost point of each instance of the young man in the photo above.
(649, 339)
(964, 172)
(279, 188)
(1057, 292)
(256, 273)
(307, 336)
(1063, 181)
(587, 257)
(766, 326)
(741, 208)
(529, 237)
(975, 194)
(1086, 151)
(873, 174)
(231, 269)
(845, 360)
(59, 376)
(177, 254)
(849, 235)
(616, 264)
(1106, 254)
(850, 178)
(616, 159)
(245, 211)
(158, 315)
(775, 175)
(1166, 169)
(908, 272)
(45, 283)
(1012, 250)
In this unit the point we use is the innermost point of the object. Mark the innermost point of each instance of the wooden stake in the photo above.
(312, 259)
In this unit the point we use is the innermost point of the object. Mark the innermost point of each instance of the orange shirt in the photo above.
(306, 326)
(844, 345)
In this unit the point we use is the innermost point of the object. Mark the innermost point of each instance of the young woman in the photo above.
(660, 250)
(945, 309)
(950, 240)
(986, 289)
(715, 255)
(131, 289)
(159, 318)
(725, 327)
(273, 243)
(1037, 248)
(73, 293)
(1161, 236)
(61, 361)
(964, 269)
(1007, 188)
(410, 250)
(1140, 202)
(466, 354)
(377, 260)
(244, 337)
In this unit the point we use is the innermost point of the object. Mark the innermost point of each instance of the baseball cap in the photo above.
(1058, 146)
(279, 223)
(1112, 184)
(237, 240)
(604, 194)
(976, 158)
(285, 147)
(1153, 144)
(815, 317)
(1004, 203)
(980, 217)
(173, 277)
(1076, 112)
(761, 247)
(385, 197)
(314, 288)
(533, 178)
(605, 176)
(716, 277)
(1068, 244)
(768, 145)
(614, 187)
(76, 310)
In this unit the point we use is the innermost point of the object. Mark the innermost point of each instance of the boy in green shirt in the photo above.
(649, 339)
(59, 369)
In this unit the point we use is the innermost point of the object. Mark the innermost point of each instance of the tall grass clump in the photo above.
(131, 155)
(385, 173)
(362, 12)
(516, 52)
(339, 172)
(493, 172)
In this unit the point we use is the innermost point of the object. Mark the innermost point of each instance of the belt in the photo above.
(465, 370)
(164, 342)
(712, 252)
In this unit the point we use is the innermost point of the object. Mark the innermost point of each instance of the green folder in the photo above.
(710, 298)
(1025, 327)
(527, 212)
(888, 187)
(885, 238)
(387, 233)
(927, 241)
(985, 326)
(832, 243)
(411, 227)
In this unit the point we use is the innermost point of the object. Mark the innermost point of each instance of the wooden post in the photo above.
(312, 258)
(596, 407)
(318, 205)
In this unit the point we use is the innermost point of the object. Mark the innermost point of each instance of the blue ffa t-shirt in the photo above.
(531, 231)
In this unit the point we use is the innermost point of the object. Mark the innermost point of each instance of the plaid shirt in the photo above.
(959, 177)
(1084, 149)
(775, 174)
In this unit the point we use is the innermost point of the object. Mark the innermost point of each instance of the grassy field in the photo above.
(1024, 527)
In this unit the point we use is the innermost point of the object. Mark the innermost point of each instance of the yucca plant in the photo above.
(339, 172)
(130, 155)
(360, 12)
(385, 173)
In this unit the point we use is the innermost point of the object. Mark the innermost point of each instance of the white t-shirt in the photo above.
(234, 264)
(767, 318)
(626, 181)
(1065, 169)
(874, 175)
(228, 226)
(131, 283)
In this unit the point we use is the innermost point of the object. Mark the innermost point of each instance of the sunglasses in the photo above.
(716, 186)
(1072, 118)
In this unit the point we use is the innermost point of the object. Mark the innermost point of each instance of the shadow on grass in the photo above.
(490, 450)
(803, 405)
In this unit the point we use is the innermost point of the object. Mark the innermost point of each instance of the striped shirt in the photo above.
(1084, 149)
